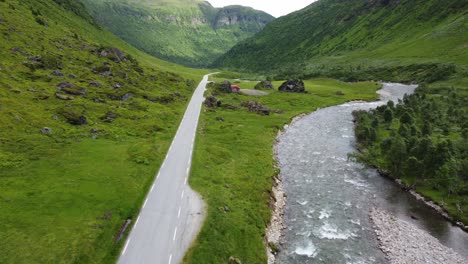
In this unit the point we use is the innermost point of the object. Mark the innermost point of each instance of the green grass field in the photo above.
(65, 196)
(233, 166)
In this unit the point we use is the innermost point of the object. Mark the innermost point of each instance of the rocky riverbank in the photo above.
(403, 242)
(439, 209)
(277, 205)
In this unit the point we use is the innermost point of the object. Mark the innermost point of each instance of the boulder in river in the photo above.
(293, 86)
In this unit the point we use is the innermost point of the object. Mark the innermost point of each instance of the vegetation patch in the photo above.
(423, 142)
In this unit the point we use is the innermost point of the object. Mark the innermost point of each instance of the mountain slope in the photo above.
(85, 120)
(358, 33)
(190, 32)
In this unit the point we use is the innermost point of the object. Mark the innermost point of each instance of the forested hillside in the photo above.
(85, 121)
(400, 40)
(188, 32)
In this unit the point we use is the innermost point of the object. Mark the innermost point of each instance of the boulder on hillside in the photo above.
(264, 85)
(62, 97)
(46, 130)
(57, 73)
(293, 86)
(109, 117)
(256, 107)
(226, 86)
(74, 118)
(212, 102)
(113, 54)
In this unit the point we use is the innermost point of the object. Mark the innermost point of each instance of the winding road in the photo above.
(172, 213)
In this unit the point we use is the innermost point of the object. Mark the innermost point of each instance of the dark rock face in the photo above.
(293, 86)
(256, 107)
(212, 102)
(264, 85)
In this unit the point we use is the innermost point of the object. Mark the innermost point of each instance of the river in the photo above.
(329, 197)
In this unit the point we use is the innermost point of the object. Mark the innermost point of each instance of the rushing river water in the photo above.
(329, 198)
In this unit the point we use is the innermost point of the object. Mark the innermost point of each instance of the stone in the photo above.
(264, 85)
(112, 53)
(95, 84)
(64, 85)
(293, 86)
(71, 76)
(46, 130)
(234, 260)
(256, 107)
(220, 119)
(339, 93)
(74, 118)
(118, 85)
(109, 117)
(127, 96)
(32, 90)
(63, 97)
(212, 102)
(57, 73)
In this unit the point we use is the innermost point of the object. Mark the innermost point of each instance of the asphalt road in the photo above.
(172, 213)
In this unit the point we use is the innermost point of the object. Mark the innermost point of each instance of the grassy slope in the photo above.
(233, 166)
(179, 31)
(332, 35)
(64, 197)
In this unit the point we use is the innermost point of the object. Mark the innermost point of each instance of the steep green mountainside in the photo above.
(189, 32)
(85, 121)
(336, 37)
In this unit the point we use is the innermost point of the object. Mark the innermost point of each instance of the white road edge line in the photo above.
(178, 214)
(152, 187)
(182, 196)
(175, 234)
(145, 202)
(126, 245)
(170, 259)
(185, 183)
(188, 169)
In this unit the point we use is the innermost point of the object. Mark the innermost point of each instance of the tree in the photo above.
(388, 115)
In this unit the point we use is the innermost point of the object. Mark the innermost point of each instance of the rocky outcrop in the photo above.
(235, 15)
(264, 85)
(256, 107)
(293, 86)
(212, 102)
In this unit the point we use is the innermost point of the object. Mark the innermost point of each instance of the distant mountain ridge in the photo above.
(189, 32)
(358, 33)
